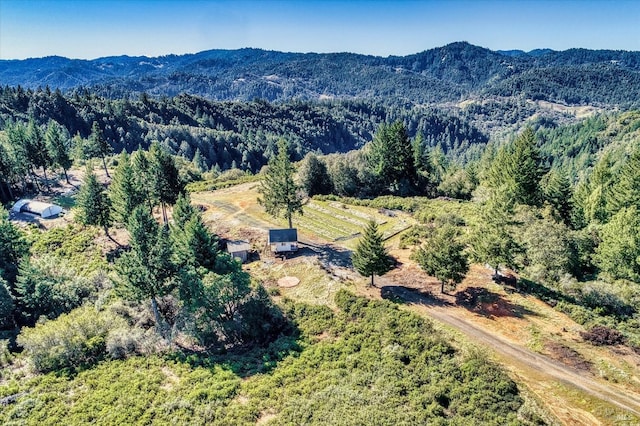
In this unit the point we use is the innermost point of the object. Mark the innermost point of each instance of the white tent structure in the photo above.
(45, 210)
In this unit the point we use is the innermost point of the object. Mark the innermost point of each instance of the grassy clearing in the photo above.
(316, 286)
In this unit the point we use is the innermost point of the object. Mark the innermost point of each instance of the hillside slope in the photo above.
(453, 72)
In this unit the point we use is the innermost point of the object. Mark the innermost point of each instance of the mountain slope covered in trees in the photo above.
(453, 72)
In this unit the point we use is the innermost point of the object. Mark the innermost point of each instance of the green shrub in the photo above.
(72, 341)
(74, 244)
(47, 287)
(6, 306)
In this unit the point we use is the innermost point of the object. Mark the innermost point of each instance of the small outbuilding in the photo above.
(44, 210)
(283, 240)
(239, 249)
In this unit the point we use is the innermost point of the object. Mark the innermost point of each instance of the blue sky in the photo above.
(94, 28)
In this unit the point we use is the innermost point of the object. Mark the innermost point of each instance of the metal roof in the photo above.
(237, 246)
(283, 235)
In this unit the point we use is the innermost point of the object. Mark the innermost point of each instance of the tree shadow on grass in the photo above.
(490, 304)
(329, 255)
(401, 294)
(246, 360)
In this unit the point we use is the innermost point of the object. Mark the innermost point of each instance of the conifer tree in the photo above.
(18, 149)
(516, 170)
(7, 174)
(143, 177)
(146, 272)
(94, 207)
(391, 158)
(492, 242)
(593, 197)
(124, 194)
(619, 252)
(13, 247)
(165, 178)
(199, 162)
(183, 211)
(196, 245)
(559, 194)
(6, 306)
(37, 151)
(314, 176)
(370, 256)
(626, 189)
(98, 145)
(442, 256)
(58, 146)
(279, 192)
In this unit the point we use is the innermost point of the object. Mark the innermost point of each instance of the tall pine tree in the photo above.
(94, 207)
(390, 158)
(166, 182)
(279, 192)
(58, 145)
(98, 145)
(516, 170)
(370, 257)
(124, 194)
(147, 272)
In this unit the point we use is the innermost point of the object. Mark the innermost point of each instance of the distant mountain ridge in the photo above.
(452, 73)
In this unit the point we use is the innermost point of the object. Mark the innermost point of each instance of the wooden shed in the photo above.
(239, 249)
(283, 240)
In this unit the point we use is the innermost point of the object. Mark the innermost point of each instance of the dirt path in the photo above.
(521, 358)
(568, 393)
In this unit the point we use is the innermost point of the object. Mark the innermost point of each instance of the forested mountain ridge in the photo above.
(454, 72)
(234, 134)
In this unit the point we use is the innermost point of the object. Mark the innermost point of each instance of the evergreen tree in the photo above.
(370, 257)
(391, 158)
(279, 193)
(38, 153)
(593, 196)
(426, 176)
(619, 252)
(517, 170)
(98, 145)
(196, 246)
(165, 178)
(19, 148)
(492, 242)
(7, 174)
(124, 194)
(147, 271)
(183, 211)
(314, 176)
(59, 146)
(94, 207)
(143, 177)
(626, 189)
(199, 161)
(442, 256)
(6, 306)
(559, 194)
(13, 247)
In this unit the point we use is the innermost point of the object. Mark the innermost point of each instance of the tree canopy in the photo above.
(279, 193)
(370, 257)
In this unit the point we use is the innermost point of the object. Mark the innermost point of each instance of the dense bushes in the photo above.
(601, 335)
(72, 341)
(368, 363)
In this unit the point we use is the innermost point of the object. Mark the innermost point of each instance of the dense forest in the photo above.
(454, 72)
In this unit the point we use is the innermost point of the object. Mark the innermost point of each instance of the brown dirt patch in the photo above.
(567, 356)
(288, 282)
